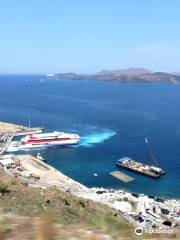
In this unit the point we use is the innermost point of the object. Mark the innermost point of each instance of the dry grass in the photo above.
(30, 213)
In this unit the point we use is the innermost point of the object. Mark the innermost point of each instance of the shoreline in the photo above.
(35, 173)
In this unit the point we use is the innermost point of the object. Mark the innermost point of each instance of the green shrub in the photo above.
(3, 188)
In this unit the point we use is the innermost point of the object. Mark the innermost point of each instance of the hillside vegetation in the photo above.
(32, 213)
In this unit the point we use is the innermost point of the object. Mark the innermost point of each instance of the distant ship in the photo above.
(50, 75)
(48, 140)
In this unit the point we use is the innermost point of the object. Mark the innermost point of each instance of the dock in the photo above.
(122, 176)
(31, 170)
(29, 131)
(9, 131)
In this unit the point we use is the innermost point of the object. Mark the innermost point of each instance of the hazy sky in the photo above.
(40, 36)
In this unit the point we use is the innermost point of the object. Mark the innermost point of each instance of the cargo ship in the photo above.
(149, 170)
(144, 169)
(48, 140)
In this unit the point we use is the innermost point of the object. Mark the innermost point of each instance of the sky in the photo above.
(42, 36)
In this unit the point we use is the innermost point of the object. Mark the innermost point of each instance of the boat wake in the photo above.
(96, 138)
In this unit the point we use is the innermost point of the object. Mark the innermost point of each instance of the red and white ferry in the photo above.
(48, 139)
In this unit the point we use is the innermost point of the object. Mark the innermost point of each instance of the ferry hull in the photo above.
(45, 145)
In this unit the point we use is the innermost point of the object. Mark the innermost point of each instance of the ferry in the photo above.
(48, 140)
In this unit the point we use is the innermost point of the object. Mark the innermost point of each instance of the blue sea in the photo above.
(112, 120)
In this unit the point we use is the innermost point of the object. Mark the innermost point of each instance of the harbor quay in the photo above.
(147, 212)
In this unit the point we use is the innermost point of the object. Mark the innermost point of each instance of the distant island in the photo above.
(130, 75)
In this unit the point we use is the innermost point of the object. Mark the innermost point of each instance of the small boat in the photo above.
(40, 157)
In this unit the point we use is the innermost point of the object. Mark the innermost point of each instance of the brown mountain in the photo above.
(130, 75)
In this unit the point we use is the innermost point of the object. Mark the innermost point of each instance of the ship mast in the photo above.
(29, 121)
(150, 151)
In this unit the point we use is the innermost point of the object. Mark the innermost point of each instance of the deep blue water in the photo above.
(112, 120)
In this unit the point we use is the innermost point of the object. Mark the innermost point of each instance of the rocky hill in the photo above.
(131, 75)
(49, 214)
